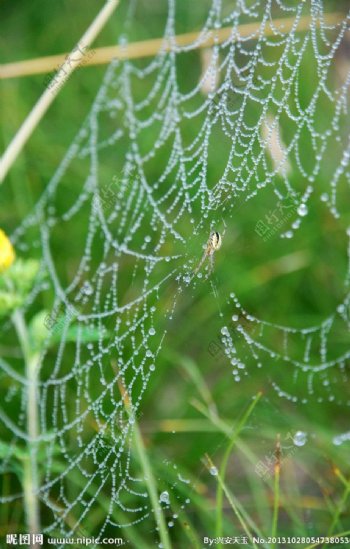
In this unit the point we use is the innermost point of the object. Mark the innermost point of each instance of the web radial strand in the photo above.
(140, 178)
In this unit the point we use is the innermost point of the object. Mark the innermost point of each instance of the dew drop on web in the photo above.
(300, 438)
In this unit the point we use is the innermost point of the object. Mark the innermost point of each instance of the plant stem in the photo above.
(276, 500)
(30, 466)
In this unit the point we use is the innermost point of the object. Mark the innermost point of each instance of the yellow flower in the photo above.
(7, 253)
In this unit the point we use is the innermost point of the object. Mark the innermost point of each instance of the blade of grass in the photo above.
(258, 491)
(250, 456)
(251, 523)
(292, 493)
(147, 471)
(206, 511)
(213, 417)
(192, 370)
(276, 499)
(179, 426)
(223, 467)
(341, 477)
(243, 523)
(342, 502)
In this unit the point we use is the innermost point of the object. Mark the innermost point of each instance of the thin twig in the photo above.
(50, 92)
(149, 48)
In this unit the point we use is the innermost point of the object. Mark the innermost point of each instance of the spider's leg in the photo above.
(210, 264)
(204, 256)
(200, 263)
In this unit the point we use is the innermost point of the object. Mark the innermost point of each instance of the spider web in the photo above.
(148, 196)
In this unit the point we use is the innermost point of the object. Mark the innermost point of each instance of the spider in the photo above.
(213, 244)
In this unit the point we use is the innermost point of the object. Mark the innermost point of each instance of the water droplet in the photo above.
(151, 331)
(339, 439)
(164, 497)
(170, 524)
(289, 234)
(87, 289)
(148, 238)
(149, 353)
(213, 471)
(300, 438)
(235, 318)
(302, 210)
(152, 367)
(324, 197)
